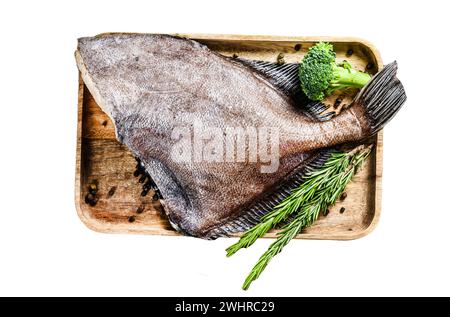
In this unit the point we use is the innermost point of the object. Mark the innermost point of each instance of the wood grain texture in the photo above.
(102, 158)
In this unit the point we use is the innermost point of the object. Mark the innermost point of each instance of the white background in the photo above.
(46, 250)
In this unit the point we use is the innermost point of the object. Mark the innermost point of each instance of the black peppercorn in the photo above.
(337, 102)
(91, 199)
(142, 179)
(280, 59)
(112, 191)
(140, 209)
(93, 187)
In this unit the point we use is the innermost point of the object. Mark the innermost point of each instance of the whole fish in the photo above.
(223, 142)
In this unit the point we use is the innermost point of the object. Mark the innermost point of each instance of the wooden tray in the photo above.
(101, 157)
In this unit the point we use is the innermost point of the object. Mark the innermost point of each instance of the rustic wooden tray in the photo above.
(101, 157)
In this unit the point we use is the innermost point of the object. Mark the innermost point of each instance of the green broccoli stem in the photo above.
(345, 77)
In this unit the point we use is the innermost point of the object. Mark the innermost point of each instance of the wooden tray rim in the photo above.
(97, 226)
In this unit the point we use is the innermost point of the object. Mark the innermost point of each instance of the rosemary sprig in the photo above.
(288, 232)
(313, 182)
(320, 189)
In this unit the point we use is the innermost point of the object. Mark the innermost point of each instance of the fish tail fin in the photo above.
(382, 97)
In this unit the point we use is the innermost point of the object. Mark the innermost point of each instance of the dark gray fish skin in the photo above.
(143, 82)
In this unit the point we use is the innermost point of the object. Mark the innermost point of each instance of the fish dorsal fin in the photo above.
(266, 204)
(285, 77)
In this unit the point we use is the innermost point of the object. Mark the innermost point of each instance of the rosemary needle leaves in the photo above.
(320, 189)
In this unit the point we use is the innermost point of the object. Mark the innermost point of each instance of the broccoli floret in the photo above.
(320, 76)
